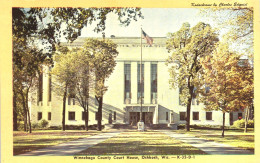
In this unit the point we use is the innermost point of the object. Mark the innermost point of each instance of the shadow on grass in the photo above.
(131, 143)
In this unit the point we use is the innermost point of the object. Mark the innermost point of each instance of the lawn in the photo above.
(236, 138)
(141, 143)
(25, 142)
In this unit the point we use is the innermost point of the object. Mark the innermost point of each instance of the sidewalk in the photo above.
(210, 147)
(72, 147)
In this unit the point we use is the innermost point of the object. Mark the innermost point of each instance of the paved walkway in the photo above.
(76, 146)
(210, 147)
(72, 147)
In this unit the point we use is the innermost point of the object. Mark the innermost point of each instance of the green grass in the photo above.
(141, 143)
(25, 142)
(236, 138)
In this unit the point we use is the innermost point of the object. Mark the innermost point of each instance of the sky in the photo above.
(157, 22)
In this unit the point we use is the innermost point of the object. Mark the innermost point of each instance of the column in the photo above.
(147, 82)
(134, 82)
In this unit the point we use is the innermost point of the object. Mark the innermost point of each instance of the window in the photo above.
(140, 83)
(49, 88)
(49, 116)
(40, 87)
(195, 115)
(207, 89)
(180, 101)
(172, 117)
(127, 74)
(194, 100)
(96, 117)
(71, 115)
(208, 115)
(71, 96)
(167, 116)
(114, 115)
(83, 115)
(69, 100)
(39, 116)
(96, 102)
(239, 116)
(182, 116)
(153, 83)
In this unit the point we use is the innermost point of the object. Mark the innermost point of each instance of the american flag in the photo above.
(148, 39)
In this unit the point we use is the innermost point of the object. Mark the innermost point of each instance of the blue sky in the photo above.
(157, 22)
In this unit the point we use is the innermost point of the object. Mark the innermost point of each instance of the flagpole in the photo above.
(141, 109)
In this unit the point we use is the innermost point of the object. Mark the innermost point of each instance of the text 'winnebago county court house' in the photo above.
(121, 104)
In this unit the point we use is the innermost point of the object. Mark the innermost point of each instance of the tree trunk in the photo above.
(29, 121)
(28, 111)
(24, 113)
(64, 109)
(223, 125)
(25, 121)
(15, 127)
(188, 115)
(246, 119)
(100, 101)
(86, 119)
(189, 106)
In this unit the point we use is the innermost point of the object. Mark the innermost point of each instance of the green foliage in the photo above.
(52, 24)
(101, 55)
(43, 123)
(37, 31)
(189, 45)
(55, 128)
(238, 22)
(231, 84)
(241, 123)
(35, 125)
(221, 73)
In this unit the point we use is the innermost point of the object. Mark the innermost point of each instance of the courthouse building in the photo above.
(121, 104)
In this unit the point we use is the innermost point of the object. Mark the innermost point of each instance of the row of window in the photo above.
(140, 82)
(72, 115)
(40, 88)
(39, 117)
(195, 116)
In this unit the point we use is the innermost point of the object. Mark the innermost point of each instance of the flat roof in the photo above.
(120, 40)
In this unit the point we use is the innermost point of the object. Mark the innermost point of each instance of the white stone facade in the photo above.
(164, 109)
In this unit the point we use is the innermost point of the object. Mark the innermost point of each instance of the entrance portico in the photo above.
(150, 114)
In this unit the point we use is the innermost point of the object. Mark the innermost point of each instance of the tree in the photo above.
(46, 26)
(101, 54)
(189, 45)
(222, 75)
(64, 76)
(84, 82)
(245, 88)
(24, 74)
(52, 24)
(238, 22)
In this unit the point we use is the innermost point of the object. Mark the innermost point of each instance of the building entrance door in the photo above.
(135, 117)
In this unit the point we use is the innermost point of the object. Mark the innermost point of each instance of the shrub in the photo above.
(250, 124)
(35, 125)
(55, 127)
(20, 126)
(43, 123)
(241, 123)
